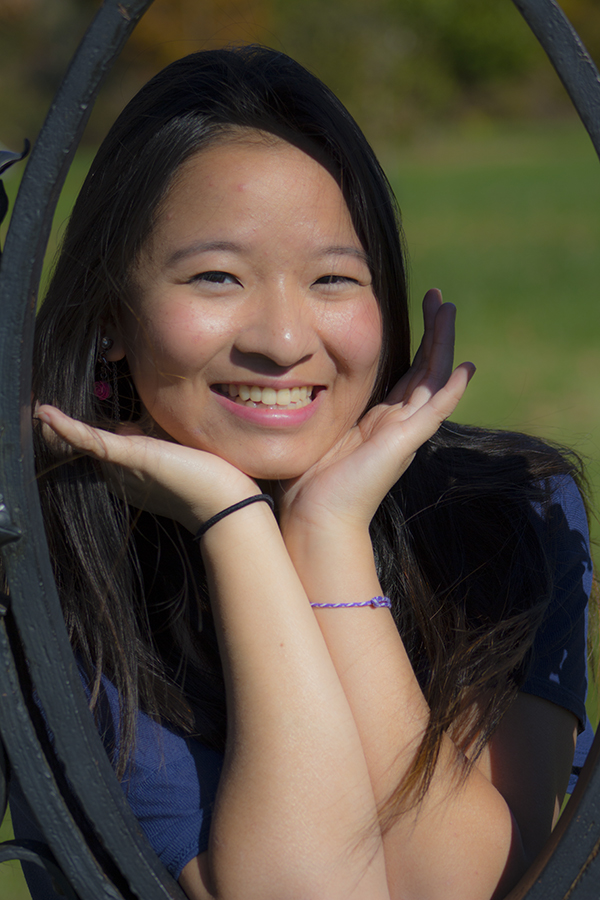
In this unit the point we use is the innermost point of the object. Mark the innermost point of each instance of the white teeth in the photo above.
(252, 395)
(268, 396)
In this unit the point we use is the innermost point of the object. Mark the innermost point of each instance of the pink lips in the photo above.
(270, 416)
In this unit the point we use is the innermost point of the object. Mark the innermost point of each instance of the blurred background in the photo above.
(400, 65)
(498, 183)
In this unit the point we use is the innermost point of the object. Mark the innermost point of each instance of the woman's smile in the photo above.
(253, 332)
(268, 405)
(256, 396)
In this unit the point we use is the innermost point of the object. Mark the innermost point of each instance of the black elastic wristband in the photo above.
(231, 509)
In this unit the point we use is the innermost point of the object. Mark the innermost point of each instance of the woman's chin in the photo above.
(264, 475)
(260, 466)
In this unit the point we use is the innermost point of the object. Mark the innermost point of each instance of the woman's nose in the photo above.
(279, 327)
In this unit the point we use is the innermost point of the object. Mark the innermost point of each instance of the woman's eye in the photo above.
(336, 279)
(215, 278)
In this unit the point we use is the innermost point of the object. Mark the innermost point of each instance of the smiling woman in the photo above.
(375, 692)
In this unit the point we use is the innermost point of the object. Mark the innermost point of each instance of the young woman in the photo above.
(373, 689)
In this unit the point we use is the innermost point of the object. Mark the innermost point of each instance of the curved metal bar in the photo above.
(40, 788)
(37, 853)
(8, 157)
(4, 775)
(569, 866)
(35, 603)
(572, 62)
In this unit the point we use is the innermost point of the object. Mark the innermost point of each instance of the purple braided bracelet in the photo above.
(375, 602)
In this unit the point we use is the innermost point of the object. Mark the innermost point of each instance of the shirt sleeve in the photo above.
(558, 667)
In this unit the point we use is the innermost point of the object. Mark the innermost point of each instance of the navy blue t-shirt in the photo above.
(558, 670)
(172, 783)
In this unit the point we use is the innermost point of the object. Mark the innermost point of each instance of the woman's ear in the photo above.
(112, 334)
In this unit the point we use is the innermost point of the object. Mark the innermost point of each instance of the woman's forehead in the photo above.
(247, 141)
(237, 186)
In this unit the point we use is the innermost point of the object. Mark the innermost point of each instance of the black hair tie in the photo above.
(231, 509)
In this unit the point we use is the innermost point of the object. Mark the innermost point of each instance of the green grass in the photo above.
(507, 224)
(73, 182)
(12, 882)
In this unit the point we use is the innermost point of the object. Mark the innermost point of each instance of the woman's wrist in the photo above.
(221, 497)
(335, 564)
(230, 510)
(243, 523)
(322, 525)
(330, 537)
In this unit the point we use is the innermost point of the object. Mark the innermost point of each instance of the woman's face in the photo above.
(255, 333)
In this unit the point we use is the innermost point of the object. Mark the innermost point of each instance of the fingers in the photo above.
(418, 426)
(389, 438)
(166, 478)
(432, 303)
(433, 362)
(441, 353)
(91, 441)
(446, 399)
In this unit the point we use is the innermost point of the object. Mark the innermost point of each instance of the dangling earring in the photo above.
(102, 388)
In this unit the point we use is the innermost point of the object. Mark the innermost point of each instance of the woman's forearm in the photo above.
(295, 802)
(461, 837)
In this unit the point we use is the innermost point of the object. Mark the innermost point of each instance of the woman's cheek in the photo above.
(186, 338)
(360, 339)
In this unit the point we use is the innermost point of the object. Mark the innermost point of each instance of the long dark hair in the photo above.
(454, 541)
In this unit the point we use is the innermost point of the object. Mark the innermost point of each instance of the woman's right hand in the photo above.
(159, 476)
(347, 485)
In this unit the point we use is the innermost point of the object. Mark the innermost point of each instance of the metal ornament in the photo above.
(7, 159)
(108, 858)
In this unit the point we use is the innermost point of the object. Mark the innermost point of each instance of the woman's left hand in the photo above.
(350, 481)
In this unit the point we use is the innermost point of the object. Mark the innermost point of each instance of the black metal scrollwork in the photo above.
(91, 834)
(37, 853)
(572, 62)
(7, 159)
(7, 531)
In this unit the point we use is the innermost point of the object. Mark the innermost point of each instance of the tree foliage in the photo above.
(398, 64)
(404, 63)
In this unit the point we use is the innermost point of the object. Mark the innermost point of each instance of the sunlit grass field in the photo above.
(507, 224)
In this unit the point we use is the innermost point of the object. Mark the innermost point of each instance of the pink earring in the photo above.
(102, 388)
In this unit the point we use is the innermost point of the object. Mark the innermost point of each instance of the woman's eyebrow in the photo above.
(202, 247)
(345, 251)
(232, 247)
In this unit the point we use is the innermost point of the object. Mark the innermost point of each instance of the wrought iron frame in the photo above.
(95, 848)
